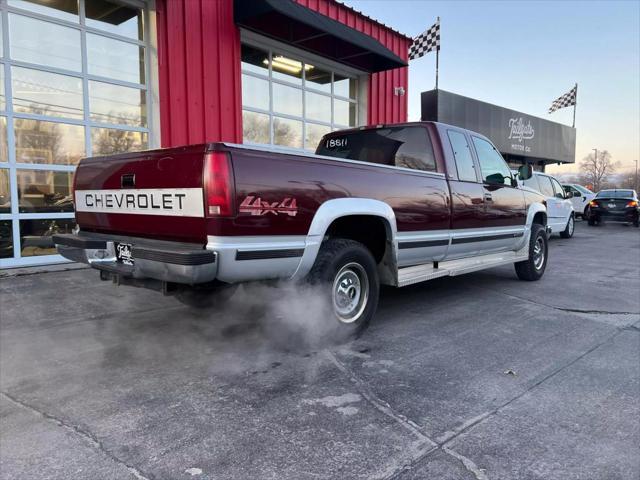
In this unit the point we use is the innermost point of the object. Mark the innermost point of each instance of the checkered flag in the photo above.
(426, 42)
(565, 100)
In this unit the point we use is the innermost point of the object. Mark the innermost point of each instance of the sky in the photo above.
(524, 54)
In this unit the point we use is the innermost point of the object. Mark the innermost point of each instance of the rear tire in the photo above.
(347, 274)
(206, 297)
(533, 268)
(569, 229)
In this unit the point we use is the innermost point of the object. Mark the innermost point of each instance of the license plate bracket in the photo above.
(124, 253)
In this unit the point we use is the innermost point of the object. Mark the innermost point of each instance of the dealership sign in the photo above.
(513, 133)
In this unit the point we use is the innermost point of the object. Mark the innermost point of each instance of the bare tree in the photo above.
(597, 169)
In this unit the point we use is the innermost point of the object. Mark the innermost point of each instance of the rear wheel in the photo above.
(346, 273)
(569, 229)
(533, 268)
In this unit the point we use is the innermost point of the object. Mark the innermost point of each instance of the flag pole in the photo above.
(574, 106)
(437, 56)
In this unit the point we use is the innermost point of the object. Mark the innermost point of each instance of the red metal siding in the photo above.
(199, 69)
(199, 72)
(383, 105)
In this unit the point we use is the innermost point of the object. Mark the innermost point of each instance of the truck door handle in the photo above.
(488, 197)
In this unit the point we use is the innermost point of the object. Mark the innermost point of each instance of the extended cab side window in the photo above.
(462, 155)
(493, 167)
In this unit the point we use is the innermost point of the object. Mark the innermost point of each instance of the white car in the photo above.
(560, 212)
(580, 199)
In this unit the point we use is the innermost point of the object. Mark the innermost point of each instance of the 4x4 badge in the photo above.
(257, 206)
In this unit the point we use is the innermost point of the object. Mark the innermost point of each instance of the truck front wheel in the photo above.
(346, 273)
(533, 268)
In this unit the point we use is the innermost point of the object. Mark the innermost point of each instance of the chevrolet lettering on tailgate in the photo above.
(181, 202)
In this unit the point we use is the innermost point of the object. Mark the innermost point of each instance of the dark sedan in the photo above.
(615, 206)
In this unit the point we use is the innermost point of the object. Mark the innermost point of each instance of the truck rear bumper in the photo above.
(163, 261)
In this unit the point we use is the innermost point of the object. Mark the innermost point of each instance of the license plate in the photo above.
(612, 205)
(123, 253)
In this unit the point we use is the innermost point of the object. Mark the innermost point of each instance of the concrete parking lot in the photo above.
(475, 377)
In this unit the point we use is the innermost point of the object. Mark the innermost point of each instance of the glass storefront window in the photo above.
(111, 58)
(6, 239)
(78, 87)
(318, 107)
(48, 142)
(44, 191)
(46, 93)
(28, 37)
(255, 60)
(4, 154)
(116, 104)
(255, 92)
(255, 127)
(5, 191)
(62, 9)
(287, 69)
(344, 112)
(287, 133)
(110, 141)
(287, 100)
(36, 235)
(115, 18)
(291, 102)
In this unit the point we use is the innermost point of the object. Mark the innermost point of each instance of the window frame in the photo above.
(272, 47)
(12, 166)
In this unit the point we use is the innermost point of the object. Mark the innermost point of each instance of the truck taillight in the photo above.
(218, 185)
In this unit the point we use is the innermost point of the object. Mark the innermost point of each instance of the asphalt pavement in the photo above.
(475, 377)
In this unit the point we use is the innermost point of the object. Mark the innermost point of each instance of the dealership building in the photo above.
(98, 77)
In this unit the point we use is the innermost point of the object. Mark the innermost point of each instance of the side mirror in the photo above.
(525, 172)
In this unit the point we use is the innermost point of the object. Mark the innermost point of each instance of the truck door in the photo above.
(505, 209)
(467, 197)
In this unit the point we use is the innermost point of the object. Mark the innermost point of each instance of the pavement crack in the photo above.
(76, 430)
(386, 409)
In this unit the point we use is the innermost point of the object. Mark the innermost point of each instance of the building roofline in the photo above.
(371, 19)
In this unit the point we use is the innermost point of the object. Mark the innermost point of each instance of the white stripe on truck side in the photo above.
(172, 202)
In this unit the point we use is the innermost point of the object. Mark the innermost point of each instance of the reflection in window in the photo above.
(314, 134)
(492, 165)
(6, 239)
(344, 86)
(110, 141)
(48, 142)
(254, 60)
(62, 9)
(287, 100)
(318, 79)
(4, 155)
(255, 127)
(27, 36)
(344, 113)
(5, 191)
(255, 92)
(318, 107)
(287, 133)
(44, 191)
(2, 98)
(116, 104)
(45, 93)
(287, 69)
(115, 18)
(36, 235)
(111, 58)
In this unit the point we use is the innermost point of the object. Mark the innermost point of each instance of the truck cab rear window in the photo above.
(408, 147)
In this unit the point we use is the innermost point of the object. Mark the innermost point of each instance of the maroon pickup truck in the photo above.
(390, 204)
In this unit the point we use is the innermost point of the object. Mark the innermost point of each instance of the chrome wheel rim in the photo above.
(571, 225)
(538, 253)
(350, 292)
